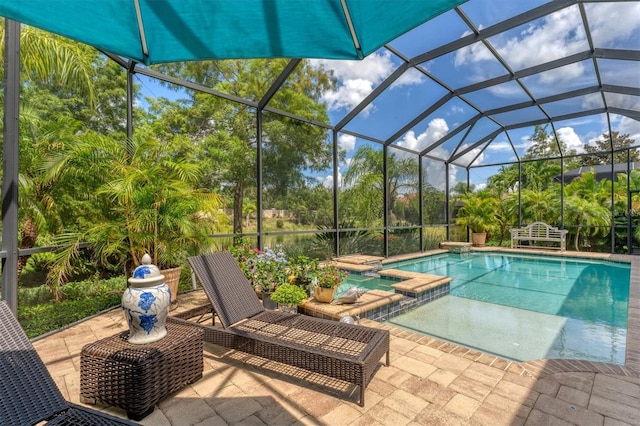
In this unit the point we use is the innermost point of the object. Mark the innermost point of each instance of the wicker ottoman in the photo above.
(136, 377)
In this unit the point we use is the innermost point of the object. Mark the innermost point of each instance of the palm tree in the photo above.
(587, 204)
(364, 182)
(540, 206)
(56, 61)
(144, 201)
(38, 199)
(63, 64)
(585, 214)
(479, 212)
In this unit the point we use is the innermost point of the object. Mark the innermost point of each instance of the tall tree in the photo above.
(545, 145)
(600, 151)
(225, 132)
(147, 202)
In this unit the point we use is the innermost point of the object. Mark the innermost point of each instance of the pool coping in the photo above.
(632, 353)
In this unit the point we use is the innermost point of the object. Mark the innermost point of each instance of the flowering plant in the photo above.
(301, 270)
(329, 276)
(270, 269)
(245, 256)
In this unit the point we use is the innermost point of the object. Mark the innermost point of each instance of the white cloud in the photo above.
(592, 101)
(327, 181)
(566, 73)
(619, 100)
(435, 171)
(409, 140)
(375, 67)
(410, 77)
(346, 142)
(467, 158)
(627, 126)
(601, 16)
(556, 36)
(570, 139)
(525, 143)
(356, 79)
(347, 95)
(436, 130)
(552, 37)
(499, 147)
(476, 52)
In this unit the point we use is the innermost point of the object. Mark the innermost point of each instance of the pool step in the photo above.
(408, 302)
(374, 304)
(380, 305)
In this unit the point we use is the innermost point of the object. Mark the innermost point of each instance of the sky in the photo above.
(555, 36)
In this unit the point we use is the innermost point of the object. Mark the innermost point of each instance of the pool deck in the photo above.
(429, 382)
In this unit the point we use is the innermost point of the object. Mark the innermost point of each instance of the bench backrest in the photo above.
(539, 230)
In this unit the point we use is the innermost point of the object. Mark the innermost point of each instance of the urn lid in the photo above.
(146, 274)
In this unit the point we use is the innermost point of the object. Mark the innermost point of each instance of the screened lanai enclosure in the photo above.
(529, 107)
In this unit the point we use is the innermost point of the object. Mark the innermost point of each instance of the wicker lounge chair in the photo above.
(28, 394)
(347, 352)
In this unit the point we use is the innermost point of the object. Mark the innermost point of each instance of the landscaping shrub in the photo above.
(39, 313)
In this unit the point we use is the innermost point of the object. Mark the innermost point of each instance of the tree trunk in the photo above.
(238, 198)
(27, 240)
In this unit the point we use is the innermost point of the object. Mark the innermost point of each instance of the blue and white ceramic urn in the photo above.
(146, 303)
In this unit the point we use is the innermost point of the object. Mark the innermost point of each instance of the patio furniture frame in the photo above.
(347, 352)
(28, 394)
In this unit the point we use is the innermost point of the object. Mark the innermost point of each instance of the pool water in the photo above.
(365, 281)
(526, 307)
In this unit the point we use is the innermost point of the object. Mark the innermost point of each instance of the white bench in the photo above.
(539, 232)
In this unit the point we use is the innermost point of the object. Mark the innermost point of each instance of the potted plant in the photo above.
(148, 202)
(288, 297)
(479, 214)
(301, 271)
(245, 255)
(270, 270)
(326, 281)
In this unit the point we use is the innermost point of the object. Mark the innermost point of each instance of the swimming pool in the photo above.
(523, 307)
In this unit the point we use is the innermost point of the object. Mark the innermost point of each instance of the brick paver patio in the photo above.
(430, 382)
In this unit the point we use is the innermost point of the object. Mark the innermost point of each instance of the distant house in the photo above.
(603, 171)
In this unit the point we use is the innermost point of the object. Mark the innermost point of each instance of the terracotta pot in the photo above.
(324, 295)
(479, 238)
(172, 279)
